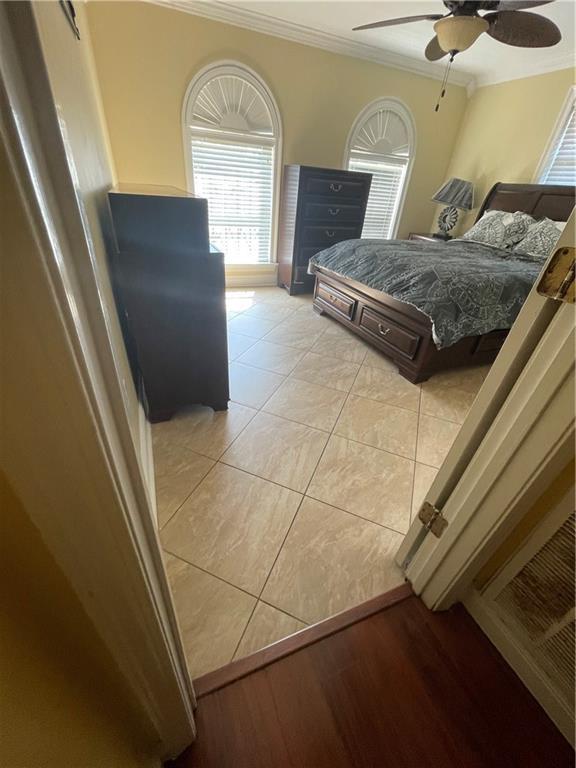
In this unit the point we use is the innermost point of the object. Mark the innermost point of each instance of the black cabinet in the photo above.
(319, 207)
(169, 287)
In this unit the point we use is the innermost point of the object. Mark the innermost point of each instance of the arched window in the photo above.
(232, 145)
(381, 142)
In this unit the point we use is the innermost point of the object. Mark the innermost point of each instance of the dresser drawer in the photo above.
(385, 329)
(343, 304)
(334, 187)
(327, 235)
(333, 212)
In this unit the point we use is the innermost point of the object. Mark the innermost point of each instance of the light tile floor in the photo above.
(289, 507)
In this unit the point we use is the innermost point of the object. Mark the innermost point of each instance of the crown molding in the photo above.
(227, 13)
(269, 25)
(562, 61)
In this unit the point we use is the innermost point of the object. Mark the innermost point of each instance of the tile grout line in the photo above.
(235, 651)
(268, 370)
(290, 526)
(216, 462)
(330, 433)
(304, 496)
(217, 459)
(283, 610)
(269, 573)
(209, 573)
(164, 524)
(259, 410)
(233, 360)
(304, 493)
(310, 350)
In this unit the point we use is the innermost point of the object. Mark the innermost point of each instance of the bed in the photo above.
(406, 334)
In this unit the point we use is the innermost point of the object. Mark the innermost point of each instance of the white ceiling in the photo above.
(331, 21)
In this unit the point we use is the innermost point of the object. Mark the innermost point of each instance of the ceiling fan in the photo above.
(507, 21)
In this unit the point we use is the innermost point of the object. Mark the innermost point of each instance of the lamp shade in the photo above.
(456, 33)
(456, 192)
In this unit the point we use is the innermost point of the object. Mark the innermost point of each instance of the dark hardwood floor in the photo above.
(403, 688)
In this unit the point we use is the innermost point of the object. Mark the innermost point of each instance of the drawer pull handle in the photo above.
(333, 299)
(382, 330)
(330, 232)
(335, 187)
(333, 211)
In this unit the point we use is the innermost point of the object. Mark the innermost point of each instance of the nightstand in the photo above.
(427, 236)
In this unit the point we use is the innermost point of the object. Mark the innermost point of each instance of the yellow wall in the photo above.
(505, 130)
(74, 87)
(62, 702)
(146, 56)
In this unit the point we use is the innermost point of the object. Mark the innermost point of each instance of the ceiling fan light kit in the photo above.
(457, 33)
(507, 21)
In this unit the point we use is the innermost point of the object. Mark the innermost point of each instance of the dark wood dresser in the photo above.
(169, 288)
(319, 207)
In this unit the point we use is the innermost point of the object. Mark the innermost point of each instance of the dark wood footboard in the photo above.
(401, 332)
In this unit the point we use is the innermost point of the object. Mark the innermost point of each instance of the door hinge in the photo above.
(557, 282)
(432, 519)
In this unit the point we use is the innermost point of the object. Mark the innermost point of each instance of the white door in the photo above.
(518, 432)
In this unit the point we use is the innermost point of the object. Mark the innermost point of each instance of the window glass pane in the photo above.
(238, 182)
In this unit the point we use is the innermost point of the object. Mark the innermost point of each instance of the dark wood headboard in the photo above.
(539, 200)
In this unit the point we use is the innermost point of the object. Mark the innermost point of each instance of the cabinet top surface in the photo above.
(320, 170)
(150, 189)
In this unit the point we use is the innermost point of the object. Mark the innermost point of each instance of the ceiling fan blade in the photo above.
(403, 20)
(522, 29)
(520, 5)
(433, 52)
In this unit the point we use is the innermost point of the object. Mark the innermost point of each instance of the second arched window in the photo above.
(382, 143)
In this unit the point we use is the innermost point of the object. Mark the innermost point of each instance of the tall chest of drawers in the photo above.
(169, 289)
(319, 207)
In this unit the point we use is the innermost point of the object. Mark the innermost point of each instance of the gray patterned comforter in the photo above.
(464, 287)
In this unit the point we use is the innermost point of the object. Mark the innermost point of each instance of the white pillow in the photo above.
(500, 229)
(540, 239)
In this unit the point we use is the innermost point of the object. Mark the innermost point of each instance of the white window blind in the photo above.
(560, 166)
(385, 190)
(238, 182)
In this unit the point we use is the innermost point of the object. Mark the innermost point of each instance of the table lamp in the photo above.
(456, 194)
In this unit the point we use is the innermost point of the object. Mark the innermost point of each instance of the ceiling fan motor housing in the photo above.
(470, 7)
